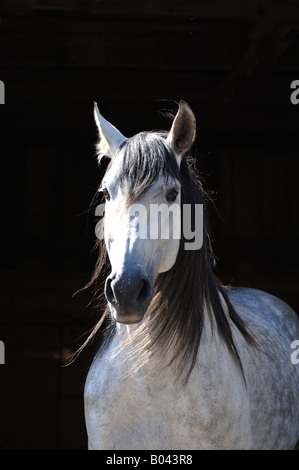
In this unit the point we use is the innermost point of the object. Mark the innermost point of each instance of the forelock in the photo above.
(144, 159)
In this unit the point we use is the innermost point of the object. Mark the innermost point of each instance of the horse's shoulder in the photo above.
(257, 306)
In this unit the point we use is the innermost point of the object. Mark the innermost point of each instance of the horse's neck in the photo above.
(127, 348)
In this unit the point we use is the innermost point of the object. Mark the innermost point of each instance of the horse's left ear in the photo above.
(182, 132)
(110, 138)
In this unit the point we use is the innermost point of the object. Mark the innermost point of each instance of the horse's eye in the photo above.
(105, 193)
(171, 195)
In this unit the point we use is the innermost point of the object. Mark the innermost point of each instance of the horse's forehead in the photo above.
(153, 191)
(115, 171)
(161, 184)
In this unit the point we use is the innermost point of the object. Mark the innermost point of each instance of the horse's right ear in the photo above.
(110, 139)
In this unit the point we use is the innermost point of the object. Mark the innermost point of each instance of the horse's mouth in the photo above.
(128, 315)
(128, 321)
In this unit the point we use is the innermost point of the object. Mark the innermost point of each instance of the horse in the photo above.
(186, 362)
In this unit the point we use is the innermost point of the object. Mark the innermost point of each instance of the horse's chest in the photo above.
(127, 413)
(144, 411)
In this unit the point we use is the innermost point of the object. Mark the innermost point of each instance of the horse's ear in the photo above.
(110, 139)
(182, 132)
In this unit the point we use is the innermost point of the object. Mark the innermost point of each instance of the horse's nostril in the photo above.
(108, 291)
(145, 291)
(126, 291)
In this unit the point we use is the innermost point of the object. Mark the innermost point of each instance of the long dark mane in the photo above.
(174, 319)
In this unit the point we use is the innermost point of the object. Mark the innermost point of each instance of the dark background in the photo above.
(233, 62)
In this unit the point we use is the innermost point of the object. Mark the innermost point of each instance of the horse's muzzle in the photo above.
(129, 296)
